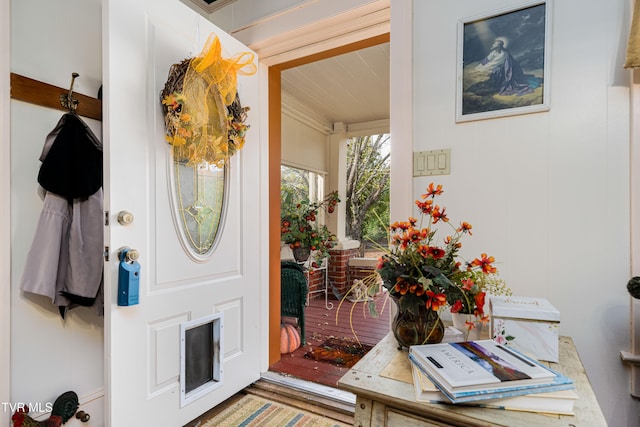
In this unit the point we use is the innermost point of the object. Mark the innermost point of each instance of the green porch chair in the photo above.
(293, 293)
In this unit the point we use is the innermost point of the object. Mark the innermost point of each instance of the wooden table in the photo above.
(385, 395)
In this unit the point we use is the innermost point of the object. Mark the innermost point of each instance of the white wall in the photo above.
(49, 41)
(547, 193)
(5, 191)
(303, 146)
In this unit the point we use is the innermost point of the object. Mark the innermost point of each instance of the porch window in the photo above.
(300, 184)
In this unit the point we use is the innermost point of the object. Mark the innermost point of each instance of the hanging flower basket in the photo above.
(301, 253)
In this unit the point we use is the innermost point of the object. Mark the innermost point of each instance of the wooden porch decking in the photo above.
(321, 324)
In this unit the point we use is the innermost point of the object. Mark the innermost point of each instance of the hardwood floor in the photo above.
(321, 324)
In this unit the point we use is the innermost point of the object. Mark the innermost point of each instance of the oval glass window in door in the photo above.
(199, 204)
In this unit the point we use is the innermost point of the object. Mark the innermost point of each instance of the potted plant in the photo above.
(423, 276)
(301, 230)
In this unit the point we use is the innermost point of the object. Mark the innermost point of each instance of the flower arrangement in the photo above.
(418, 272)
(299, 225)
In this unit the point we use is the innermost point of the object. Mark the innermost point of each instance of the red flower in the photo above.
(467, 284)
(436, 252)
(456, 307)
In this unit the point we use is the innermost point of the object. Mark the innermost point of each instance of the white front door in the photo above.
(141, 40)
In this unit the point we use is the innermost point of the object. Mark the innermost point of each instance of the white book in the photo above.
(484, 369)
(560, 402)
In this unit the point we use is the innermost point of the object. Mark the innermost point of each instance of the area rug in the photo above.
(338, 351)
(254, 411)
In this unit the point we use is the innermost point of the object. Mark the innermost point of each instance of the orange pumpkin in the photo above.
(289, 338)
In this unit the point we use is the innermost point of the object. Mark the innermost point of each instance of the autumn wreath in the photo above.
(203, 117)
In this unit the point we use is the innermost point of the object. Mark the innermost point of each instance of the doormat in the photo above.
(254, 411)
(338, 351)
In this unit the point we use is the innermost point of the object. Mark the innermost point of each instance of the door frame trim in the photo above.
(275, 158)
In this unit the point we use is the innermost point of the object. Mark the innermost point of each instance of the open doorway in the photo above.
(309, 119)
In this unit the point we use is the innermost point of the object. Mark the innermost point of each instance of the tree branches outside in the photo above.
(367, 190)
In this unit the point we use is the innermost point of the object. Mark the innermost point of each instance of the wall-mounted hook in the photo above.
(66, 100)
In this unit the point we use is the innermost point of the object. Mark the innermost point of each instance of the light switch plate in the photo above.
(433, 162)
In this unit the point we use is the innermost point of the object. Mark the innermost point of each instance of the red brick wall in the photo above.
(359, 272)
(339, 268)
(340, 274)
(316, 283)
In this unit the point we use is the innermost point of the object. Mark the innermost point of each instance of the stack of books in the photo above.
(490, 375)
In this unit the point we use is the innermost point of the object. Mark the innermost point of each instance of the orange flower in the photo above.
(400, 226)
(425, 207)
(423, 250)
(465, 227)
(433, 191)
(414, 235)
(449, 241)
(402, 287)
(439, 215)
(435, 301)
(416, 289)
(485, 263)
(479, 299)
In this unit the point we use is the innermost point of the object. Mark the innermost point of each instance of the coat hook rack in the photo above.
(46, 95)
(67, 100)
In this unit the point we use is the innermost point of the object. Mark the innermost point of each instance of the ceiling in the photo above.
(349, 88)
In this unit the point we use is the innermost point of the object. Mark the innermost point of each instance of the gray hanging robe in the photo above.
(65, 262)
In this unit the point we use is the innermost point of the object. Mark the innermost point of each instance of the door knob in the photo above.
(127, 254)
(125, 218)
(132, 255)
